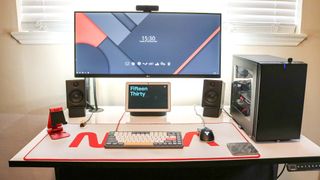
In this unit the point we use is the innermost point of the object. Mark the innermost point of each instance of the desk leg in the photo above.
(275, 171)
(57, 173)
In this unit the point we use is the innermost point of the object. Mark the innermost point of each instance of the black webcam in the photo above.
(147, 8)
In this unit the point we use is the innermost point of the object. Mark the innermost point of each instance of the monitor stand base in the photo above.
(148, 113)
(96, 110)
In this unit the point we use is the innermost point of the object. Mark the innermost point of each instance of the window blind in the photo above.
(45, 15)
(251, 20)
(262, 16)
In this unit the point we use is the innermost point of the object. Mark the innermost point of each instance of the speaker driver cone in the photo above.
(211, 97)
(76, 96)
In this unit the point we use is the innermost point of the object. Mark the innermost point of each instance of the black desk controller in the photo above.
(304, 166)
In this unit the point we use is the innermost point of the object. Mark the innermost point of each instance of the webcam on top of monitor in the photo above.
(147, 8)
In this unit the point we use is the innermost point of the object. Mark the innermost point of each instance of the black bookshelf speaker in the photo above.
(212, 97)
(76, 98)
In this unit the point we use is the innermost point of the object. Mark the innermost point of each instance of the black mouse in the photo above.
(206, 134)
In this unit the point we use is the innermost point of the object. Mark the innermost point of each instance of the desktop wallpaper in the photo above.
(147, 43)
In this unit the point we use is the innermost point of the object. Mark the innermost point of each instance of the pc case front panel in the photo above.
(243, 94)
(281, 100)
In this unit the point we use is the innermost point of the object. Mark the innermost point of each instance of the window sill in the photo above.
(252, 39)
(42, 37)
(260, 39)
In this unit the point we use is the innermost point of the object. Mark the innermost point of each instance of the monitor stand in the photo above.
(91, 108)
(148, 113)
(147, 120)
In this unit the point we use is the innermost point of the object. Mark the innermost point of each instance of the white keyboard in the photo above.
(144, 139)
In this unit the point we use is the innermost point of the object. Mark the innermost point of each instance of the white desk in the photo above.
(184, 117)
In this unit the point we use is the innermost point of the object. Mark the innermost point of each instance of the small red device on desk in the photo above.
(55, 120)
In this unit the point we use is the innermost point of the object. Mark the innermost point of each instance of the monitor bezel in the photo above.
(168, 109)
(146, 75)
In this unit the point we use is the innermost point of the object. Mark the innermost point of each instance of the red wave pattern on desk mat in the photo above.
(189, 136)
(99, 145)
(93, 139)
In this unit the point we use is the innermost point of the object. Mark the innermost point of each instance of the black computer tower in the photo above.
(267, 96)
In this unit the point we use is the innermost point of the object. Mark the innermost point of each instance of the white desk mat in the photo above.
(78, 147)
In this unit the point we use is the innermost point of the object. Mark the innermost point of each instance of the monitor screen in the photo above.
(148, 96)
(135, 44)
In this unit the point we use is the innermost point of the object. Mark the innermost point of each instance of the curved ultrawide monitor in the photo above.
(135, 44)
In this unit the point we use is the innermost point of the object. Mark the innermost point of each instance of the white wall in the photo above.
(32, 77)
